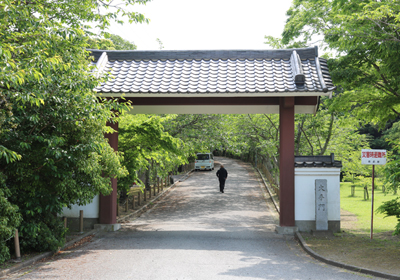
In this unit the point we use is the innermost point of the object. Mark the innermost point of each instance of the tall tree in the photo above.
(365, 38)
(53, 152)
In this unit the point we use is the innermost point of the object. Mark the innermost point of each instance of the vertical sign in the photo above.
(321, 204)
(373, 157)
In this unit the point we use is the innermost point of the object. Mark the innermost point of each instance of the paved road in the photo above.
(196, 233)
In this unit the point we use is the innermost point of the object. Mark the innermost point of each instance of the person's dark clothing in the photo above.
(222, 174)
(221, 185)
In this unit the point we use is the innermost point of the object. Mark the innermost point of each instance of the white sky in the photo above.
(206, 24)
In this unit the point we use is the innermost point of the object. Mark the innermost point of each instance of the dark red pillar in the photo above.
(108, 204)
(286, 166)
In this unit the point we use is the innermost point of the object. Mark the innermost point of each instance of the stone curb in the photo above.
(43, 255)
(269, 191)
(94, 231)
(342, 265)
(26, 263)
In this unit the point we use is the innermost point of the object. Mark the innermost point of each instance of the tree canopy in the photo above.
(110, 42)
(143, 140)
(363, 41)
(52, 152)
(363, 38)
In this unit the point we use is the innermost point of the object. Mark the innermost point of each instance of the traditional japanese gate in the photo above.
(218, 82)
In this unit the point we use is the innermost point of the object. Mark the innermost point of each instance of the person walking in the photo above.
(222, 174)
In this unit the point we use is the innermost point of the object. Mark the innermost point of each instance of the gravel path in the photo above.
(196, 233)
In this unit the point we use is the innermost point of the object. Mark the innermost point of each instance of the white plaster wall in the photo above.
(304, 183)
(90, 210)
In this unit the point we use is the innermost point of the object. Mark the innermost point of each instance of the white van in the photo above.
(204, 161)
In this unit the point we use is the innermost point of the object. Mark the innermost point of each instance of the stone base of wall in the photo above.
(88, 223)
(308, 226)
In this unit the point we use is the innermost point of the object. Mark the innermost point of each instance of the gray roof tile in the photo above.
(204, 72)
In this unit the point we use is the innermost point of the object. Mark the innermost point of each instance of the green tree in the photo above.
(110, 42)
(391, 208)
(200, 132)
(120, 43)
(364, 36)
(9, 220)
(392, 167)
(326, 132)
(53, 152)
(144, 142)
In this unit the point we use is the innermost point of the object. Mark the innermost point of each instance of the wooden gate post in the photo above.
(108, 204)
(286, 140)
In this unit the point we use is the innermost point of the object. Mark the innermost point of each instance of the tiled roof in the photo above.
(247, 72)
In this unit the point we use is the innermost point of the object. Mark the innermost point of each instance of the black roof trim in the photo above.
(320, 75)
(297, 69)
(317, 161)
(304, 53)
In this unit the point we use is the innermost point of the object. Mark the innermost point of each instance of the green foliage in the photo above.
(53, 152)
(157, 144)
(9, 220)
(392, 208)
(326, 132)
(364, 37)
(255, 133)
(392, 171)
(359, 181)
(392, 135)
(65, 158)
(377, 137)
(110, 42)
(200, 132)
(392, 167)
(277, 43)
(331, 130)
(120, 43)
(144, 141)
(8, 155)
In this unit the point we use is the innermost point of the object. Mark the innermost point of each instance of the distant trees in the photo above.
(146, 145)
(157, 144)
(110, 42)
(326, 132)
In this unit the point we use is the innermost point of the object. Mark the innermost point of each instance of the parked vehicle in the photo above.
(204, 161)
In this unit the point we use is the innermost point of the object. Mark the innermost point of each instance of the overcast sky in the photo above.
(206, 24)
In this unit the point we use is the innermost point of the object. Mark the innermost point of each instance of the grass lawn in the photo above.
(362, 208)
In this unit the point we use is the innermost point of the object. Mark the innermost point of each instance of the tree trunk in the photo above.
(329, 135)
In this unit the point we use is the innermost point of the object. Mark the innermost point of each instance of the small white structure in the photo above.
(90, 214)
(307, 171)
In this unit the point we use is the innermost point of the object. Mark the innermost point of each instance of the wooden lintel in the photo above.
(287, 102)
